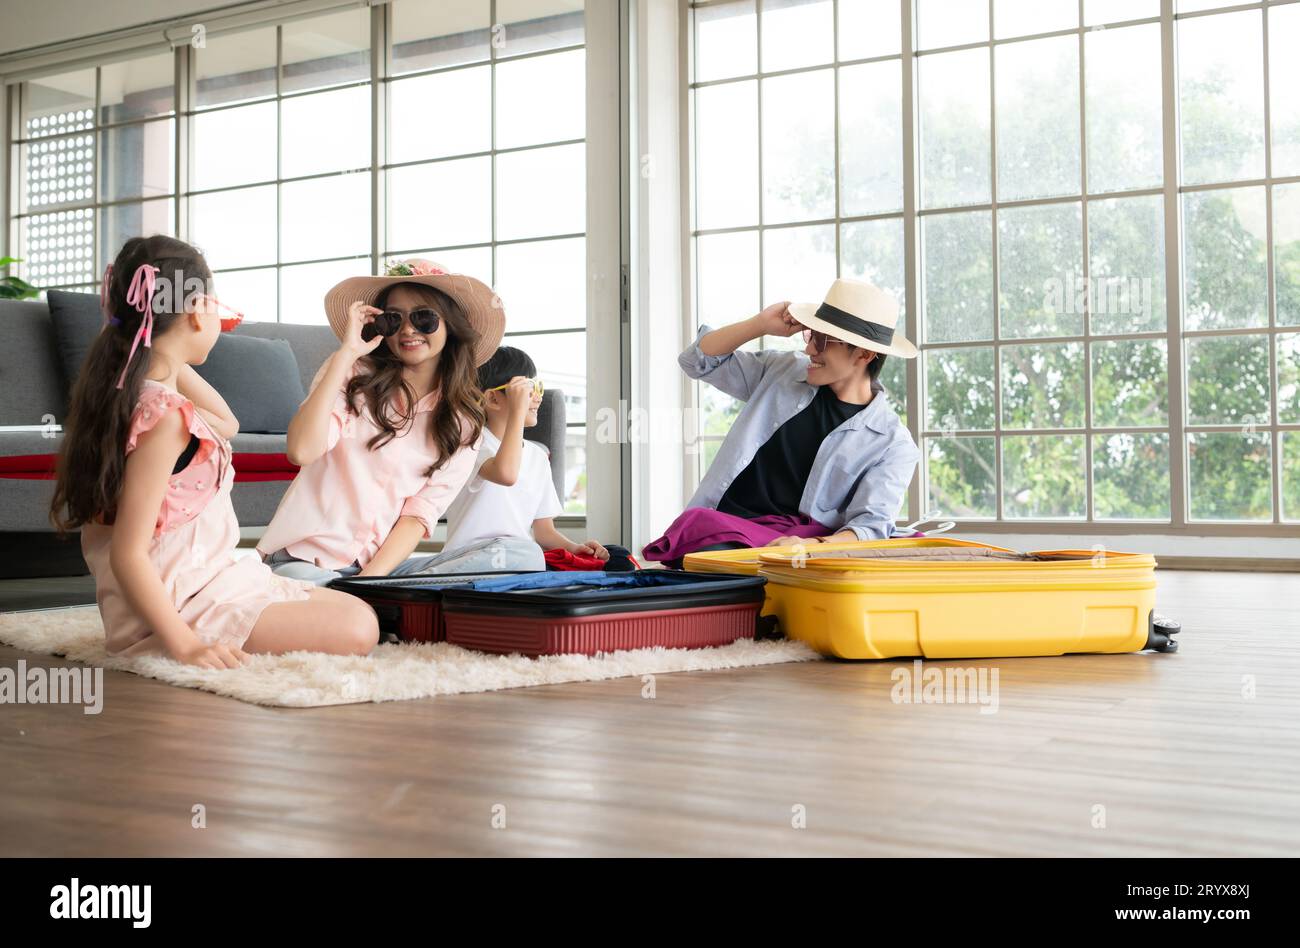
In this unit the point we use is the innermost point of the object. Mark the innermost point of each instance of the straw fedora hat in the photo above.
(857, 313)
(475, 298)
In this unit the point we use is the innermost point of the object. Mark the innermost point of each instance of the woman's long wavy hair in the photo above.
(92, 459)
(380, 379)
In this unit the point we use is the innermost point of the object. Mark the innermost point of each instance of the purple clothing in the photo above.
(699, 527)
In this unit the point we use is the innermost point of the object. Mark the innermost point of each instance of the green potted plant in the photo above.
(12, 287)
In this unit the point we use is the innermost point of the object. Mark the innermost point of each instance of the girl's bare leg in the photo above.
(329, 621)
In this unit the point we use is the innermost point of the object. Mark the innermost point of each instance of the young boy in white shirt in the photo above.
(503, 517)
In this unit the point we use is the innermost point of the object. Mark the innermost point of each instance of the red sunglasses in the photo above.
(228, 322)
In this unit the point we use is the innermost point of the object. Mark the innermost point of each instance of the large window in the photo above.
(1107, 331)
(290, 182)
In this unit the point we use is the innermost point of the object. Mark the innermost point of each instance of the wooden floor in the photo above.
(717, 763)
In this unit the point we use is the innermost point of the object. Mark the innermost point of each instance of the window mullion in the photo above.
(1173, 268)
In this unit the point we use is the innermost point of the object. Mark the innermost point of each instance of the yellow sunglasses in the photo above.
(538, 387)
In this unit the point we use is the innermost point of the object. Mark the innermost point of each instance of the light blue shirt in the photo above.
(858, 481)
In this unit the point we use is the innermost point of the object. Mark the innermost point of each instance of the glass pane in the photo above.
(799, 147)
(464, 98)
(1290, 475)
(118, 223)
(575, 471)
(1125, 148)
(1042, 386)
(234, 68)
(235, 228)
(1130, 383)
(1043, 477)
(137, 88)
(727, 278)
(957, 275)
(962, 477)
(1040, 270)
(541, 192)
(954, 127)
(329, 131)
(1288, 379)
(558, 266)
(525, 26)
(541, 99)
(1130, 477)
(951, 22)
(797, 33)
(1026, 17)
(137, 160)
(57, 104)
(307, 234)
(1227, 380)
(234, 146)
(1230, 475)
(1284, 88)
(1038, 118)
(429, 36)
(1225, 259)
(59, 248)
(893, 379)
(58, 171)
(561, 360)
(726, 41)
(1126, 254)
(726, 155)
(1114, 11)
(869, 28)
(873, 251)
(959, 390)
(303, 288)
(464, 212)
(798, 265)
(326, 50)
(1221, 96)
(1286, 252)
(252, 292)
(871, 138)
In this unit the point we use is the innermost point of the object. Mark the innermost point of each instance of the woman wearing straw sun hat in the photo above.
(816, 453)
(390, 431)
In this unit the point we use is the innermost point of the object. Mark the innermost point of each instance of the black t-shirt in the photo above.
(773, 482)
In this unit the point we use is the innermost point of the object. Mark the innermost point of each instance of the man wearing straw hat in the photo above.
(816, 454)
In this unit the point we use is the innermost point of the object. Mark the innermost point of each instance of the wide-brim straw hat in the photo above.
(857, 313)
(477, 300)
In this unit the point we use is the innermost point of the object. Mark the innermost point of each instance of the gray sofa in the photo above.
(33, 403)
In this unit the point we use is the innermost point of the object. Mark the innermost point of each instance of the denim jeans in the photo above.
(513, 554)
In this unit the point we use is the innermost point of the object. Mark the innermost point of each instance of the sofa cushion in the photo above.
(77, 320)
(258, 378)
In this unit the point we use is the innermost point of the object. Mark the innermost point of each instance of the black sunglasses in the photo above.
(388, 322)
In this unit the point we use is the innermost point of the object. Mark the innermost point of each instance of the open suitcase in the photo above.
(957, 599)
(589, 612)
(410, 606)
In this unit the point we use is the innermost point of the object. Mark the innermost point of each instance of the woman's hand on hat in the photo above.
(359, 314)
(775, 320)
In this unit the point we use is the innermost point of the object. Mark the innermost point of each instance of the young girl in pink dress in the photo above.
(145, 473)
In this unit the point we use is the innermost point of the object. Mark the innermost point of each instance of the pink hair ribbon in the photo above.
(104, 285)
(140, 295)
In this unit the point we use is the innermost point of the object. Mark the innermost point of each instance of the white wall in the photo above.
(29, 23)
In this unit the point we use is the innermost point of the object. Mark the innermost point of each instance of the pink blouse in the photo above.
(342, 506)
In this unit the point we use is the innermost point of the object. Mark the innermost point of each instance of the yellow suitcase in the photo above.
(957, 599)
(745, 562)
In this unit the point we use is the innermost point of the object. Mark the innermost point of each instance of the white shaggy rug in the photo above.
(389, 673)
